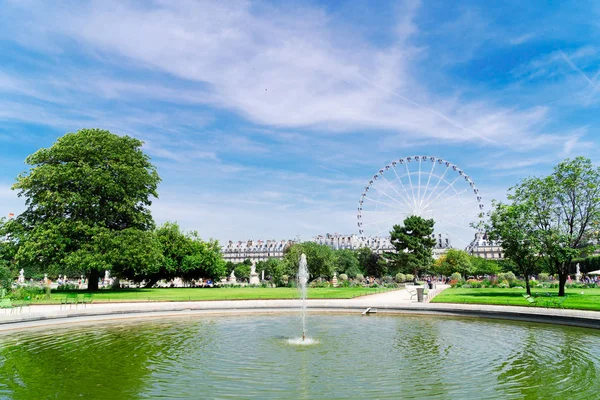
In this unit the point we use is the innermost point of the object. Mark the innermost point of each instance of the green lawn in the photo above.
(191, 294)
(582, 299)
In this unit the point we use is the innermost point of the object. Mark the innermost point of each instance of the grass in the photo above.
(581, 299)
(197, 294)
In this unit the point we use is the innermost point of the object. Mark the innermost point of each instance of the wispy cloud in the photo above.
(274, 115)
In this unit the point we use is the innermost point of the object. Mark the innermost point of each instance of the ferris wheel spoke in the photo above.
(446, 188)
(398, 193)
(448, 206)
(419, 187)
(382, 221)
(385, 194)
(455, 195)
(383, 203)
(440, 179)
(412, 190)
(400, 180)
(427, 185)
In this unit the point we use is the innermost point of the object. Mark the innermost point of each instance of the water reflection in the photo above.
(551, 363)
(249, 357)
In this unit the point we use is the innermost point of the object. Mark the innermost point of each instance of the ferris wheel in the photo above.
(425, 186)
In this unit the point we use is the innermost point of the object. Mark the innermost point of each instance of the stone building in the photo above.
(255, 250)
(483, 247)
(259, 250)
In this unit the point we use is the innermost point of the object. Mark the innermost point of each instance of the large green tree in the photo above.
(414, 245)
(81, 191)
(565, 208)
(186, 256)
(274, 270)
(514, 226)
(454, 260)
(319, 257)
(371, 263)
(347, 263)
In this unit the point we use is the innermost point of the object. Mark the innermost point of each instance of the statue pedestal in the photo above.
(232, 280)
(254, 279)
(334, 281)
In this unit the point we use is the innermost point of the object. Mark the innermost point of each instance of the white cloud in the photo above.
(327, 107)
(280, 68)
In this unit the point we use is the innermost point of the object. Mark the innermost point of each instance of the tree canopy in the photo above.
(514, 226)
(414, 245)
(320, 259)
(81, 192)
(454, 260)
(564, 210)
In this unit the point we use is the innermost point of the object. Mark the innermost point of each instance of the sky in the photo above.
(266, 119)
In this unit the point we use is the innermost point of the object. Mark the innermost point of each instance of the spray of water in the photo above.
(302, 279)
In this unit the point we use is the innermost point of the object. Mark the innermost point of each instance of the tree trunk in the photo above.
(527, 286)
(562, 280)
(93, 280)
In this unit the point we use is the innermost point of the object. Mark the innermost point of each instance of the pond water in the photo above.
(228, 357)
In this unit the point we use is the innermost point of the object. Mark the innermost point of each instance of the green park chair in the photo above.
(6, 304)
(87, 299)
(69, 299)
(531, 300)
(558, 301)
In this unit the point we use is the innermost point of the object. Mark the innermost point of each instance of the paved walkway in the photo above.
(398, 301)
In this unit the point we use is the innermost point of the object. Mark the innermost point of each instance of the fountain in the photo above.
(302, 280)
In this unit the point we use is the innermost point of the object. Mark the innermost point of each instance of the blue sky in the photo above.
(266, 119)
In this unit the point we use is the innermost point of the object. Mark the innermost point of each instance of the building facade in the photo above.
(259, 250)
(483, 247)
(254, 250)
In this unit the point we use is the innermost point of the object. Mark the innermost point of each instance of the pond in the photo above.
(228, 357)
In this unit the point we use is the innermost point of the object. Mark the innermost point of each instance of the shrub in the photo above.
(456, 277)
(474, 283)
(67, 286)
(517, 284)
(410, 277)
(285, 279)
(542, 276)
(24, 292)
(400, 277)
(343, 277)
(318, 283)
(388, 279)
(5, 278)
(359, 277)
(344, 283)
(503, 285)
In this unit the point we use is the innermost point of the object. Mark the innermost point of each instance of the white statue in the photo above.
(22, 276)
(577, 273)
(252, 269)
(232, 274)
